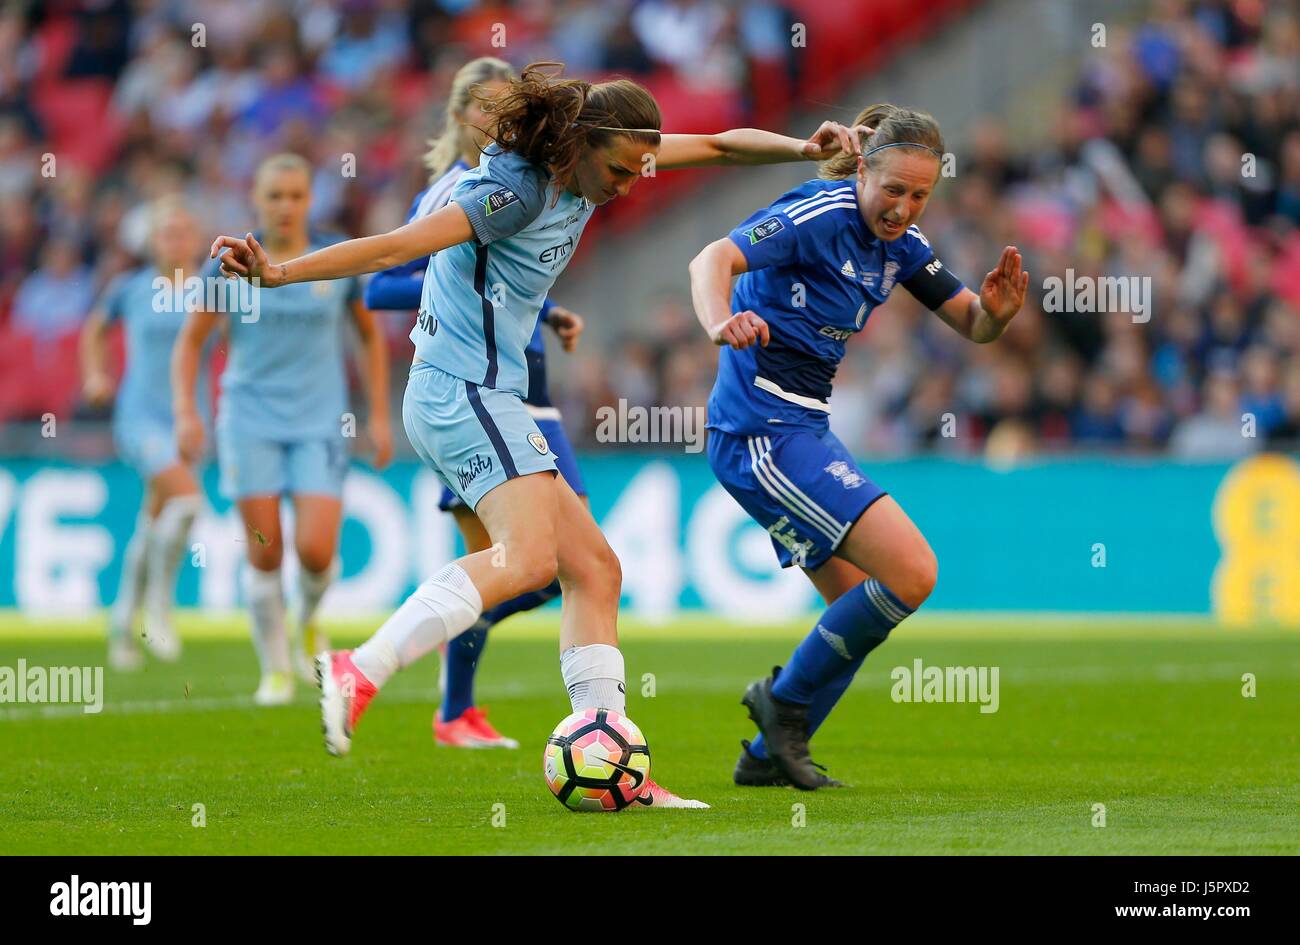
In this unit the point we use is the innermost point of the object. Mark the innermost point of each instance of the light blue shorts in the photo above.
(252, 465)
(147, 444)
(473, 437)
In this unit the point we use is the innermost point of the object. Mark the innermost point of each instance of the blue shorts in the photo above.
(147, 444)
(252, 465)
(473, 437)
(551, 428)
(805, 489)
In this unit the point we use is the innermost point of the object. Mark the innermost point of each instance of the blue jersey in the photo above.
(401, 286)
(481, 299)
(285, 377)
(144, 301)
(816, 272)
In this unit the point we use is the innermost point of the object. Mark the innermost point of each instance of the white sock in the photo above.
(445, 605)
(135, 574)
(312, 587)
(594, 677)
(170, 531)
(264, 595)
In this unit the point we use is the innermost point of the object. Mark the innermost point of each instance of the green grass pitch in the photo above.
(1147, 718)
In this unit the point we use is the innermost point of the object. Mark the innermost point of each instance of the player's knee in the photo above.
(595, 569)
(918, 577)
(536, 567)
(266, 554)
(315, 558)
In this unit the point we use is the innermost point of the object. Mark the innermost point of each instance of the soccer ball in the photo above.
(596, 760)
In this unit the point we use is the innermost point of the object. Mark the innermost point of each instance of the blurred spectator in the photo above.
(1217, 432)
(56, 298)
(1142, 173)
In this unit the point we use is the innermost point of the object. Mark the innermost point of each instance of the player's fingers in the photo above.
(225, 242)
(231, 265)
(764, 333)
(848, 143)
(257, 254)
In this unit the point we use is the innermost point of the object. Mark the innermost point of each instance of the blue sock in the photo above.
(464, 651)
(826, 661)
(517, 605)
(463, 654)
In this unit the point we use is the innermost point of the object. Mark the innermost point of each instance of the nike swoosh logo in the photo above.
(638, 777)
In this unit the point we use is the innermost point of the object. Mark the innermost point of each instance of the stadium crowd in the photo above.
(1176, 160)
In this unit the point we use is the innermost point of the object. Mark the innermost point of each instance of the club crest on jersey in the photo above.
(887, 281)
(498, 200)
(769, 227)
(538, 442)
(849, 477)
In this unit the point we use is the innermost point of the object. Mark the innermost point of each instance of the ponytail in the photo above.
(443, 151)
(893, 124)
(550, 121)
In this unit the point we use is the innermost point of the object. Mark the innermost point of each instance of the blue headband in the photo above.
(904, 144)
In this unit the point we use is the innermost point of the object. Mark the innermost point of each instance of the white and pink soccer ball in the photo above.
(596, 760)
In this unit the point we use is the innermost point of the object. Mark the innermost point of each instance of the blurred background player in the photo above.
(459, 722)
(282, 424)
(565, 146)
(848, 239)
(144, 302)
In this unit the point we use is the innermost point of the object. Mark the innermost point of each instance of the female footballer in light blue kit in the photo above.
(848, 239)
(459, 722)
(143, 301)
(283, 427)
(563, 147)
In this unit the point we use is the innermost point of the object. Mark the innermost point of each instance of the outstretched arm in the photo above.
(754, 146)
(437, 231)
(983, 318)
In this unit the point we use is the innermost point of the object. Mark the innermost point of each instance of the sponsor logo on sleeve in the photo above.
(769, 227)
(498, 200)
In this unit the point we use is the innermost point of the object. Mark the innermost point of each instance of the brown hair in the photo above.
(894, 125)
(444, 150)
(550, 120)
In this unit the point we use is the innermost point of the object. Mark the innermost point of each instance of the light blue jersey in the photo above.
(142, 301)
(480, 301)
(285, 377)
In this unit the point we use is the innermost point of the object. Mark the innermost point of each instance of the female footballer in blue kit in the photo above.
(282, 424)
(460, 722)
(142, 429)
(848, 239)
(563, 147)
